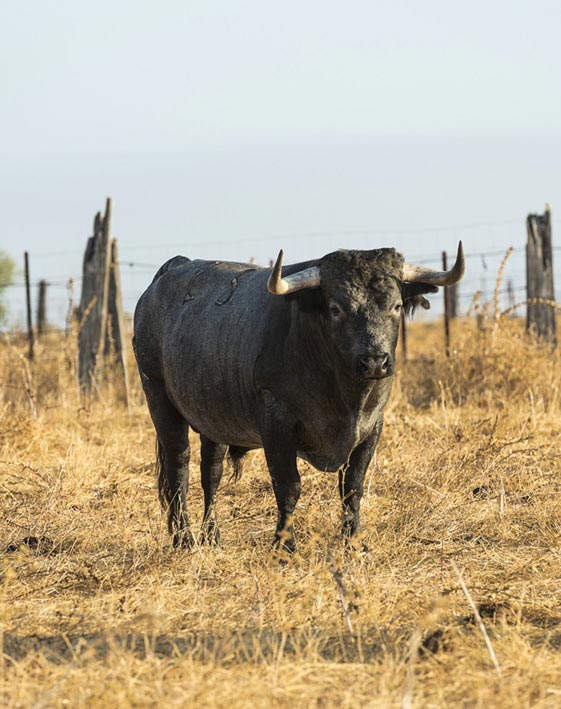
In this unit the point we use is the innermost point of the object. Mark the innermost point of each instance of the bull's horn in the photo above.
(277, 285)
(420, 274)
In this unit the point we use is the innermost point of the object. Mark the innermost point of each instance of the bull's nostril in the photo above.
(365, 364)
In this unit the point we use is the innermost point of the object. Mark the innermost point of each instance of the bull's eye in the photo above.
(397, 308)
(335, 310)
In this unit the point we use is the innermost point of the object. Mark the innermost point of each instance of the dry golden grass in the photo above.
(96, 609)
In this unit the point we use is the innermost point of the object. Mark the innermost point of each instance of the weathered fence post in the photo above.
(101, 333)
(446, 307)
(540, 315)
(28, 304)
(453, 292)
(70, 311)
(115, 335)
(403, 336)
(42, 308)
(510, 293)
(93, 303)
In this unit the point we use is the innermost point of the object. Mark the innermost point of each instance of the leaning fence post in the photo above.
(540, 313)
(446, 307)
(28, 304)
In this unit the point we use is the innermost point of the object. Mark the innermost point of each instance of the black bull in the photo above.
(298, 361)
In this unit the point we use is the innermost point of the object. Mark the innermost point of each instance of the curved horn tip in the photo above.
(413, 273)
(275, 284)
(460, 258)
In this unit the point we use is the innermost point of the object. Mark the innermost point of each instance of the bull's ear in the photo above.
(310, 300)
(412, 295)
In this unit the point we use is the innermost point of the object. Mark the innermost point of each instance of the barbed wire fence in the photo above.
(474, 280)
(481, 265)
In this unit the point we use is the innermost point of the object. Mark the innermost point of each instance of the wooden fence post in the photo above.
(93, 303)
(115, 338)
(42, 309)
(540, 316)
(453, 292)
(30, 339)
(446, 307)
(70, 311)
(403, 336)
(510, 293)
(101, 333)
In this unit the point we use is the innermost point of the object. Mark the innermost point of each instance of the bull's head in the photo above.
(360, 295)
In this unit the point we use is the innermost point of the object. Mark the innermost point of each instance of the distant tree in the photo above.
(7, 271)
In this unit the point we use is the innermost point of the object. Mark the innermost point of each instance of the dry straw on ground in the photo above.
(96, 609)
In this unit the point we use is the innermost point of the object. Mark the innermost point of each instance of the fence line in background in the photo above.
(534, 288)
(425, 259)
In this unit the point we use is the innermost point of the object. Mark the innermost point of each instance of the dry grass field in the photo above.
(97, 609)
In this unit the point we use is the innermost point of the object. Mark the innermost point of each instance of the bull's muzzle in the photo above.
(375, 366)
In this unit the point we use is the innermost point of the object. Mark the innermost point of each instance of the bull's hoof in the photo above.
(355, 543)
(210, 536)
(183, 539)
(284, 542)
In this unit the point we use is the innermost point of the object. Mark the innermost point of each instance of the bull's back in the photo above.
(198, 331)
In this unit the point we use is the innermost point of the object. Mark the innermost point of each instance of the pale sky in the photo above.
(232, 129)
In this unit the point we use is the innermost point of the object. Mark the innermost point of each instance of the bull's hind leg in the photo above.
(172, 461)
(212, 466)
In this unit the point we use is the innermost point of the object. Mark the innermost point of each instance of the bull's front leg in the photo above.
(351, 481)
(279, 443)
(287, 493)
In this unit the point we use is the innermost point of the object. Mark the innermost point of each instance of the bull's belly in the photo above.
(327, 448)
(220, 412)
(328, 464)
(230, 435)
(328, 458)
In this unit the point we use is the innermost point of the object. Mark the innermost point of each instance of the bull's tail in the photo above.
(165, 493)
(236, 455)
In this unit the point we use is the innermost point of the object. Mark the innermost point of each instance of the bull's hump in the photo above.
(170, 264)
